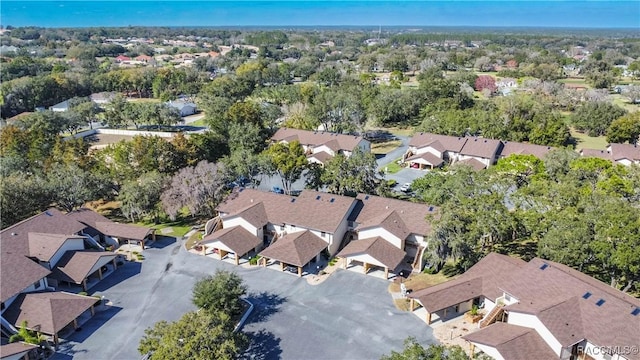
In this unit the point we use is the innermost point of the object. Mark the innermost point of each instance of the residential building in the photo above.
(625, 154)
(484, 151)
(321, 146)
(46, 251)
(185, 108)
(427, 150)
(102, 98)
(537, 309)
(390, 234)
(60, 107)
(511, 147)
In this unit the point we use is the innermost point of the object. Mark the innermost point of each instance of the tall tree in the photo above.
(288, 161)
(625, 129)
(352, 175)
(71, 186)
(220, 292)
(596, 117)
(139, 198)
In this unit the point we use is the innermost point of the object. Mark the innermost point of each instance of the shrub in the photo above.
(254, 260)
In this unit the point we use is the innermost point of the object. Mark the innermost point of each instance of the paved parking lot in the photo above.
(348, 316)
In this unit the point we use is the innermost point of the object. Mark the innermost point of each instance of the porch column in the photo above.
(115, 264)
(473, 350)
(142, 243)
(365, 267)
(93, 310)
(299, 271)
(264, 262)
(75, 323)
(445, 314)
(237, 260)
(412, 304)
(345, 263)
(428, 318)
(386, 272)
(100, 273)
(84, 284)
(281, 266)
(204, 250)
(55, 341)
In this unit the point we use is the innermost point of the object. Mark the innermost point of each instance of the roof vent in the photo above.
(386, 207)
(586, 295)
(13, 234)
(366, 197)
(318, 197)
(544, 266)
(251, 200)
(241, 189)
(635, 312)
(293, 199)
(332, 200)
(600, 302)
(48, 213)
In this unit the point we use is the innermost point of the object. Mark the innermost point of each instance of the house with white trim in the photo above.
(320, 146)
(538, 309)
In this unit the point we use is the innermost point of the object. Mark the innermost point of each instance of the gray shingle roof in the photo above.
(317, 138)
(438, 142)
(378, 248)
(513, 342)
(295, 249)
(481, 147)
(236, 238)
(75, 266)
(412, 214)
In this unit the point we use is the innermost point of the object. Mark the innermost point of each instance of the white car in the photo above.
(406, 187)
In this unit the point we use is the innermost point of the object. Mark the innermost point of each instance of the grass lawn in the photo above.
(397, 131)
(416, 282)
(385, 147)
(393, 167)
(143, 100)
(585, 141)
(193, 239)
(624, 103)
(198, 123)
(174, 228)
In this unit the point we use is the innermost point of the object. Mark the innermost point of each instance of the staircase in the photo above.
(212, 225)
(492, 316)
(417, 262)
(276, 237)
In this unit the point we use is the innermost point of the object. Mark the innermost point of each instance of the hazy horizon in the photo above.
(292, 14)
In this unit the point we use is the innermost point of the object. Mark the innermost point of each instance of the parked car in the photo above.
(406, 187)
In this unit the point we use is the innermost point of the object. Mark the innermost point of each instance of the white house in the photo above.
(432, 150)
(185, 108)
(321, 146)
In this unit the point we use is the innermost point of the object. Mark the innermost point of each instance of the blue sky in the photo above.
(591, 14)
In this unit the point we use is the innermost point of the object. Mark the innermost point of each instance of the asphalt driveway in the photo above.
(348, 316)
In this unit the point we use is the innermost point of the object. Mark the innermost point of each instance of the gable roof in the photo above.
(556, 294)
(15, 238)
(474, 163)
(100, 223)
(327, 210)
(236, 238)
(76, 265)
(295, 249)
(371, 208)
(512, 147)
(18, 273)
(378, 248)
(439, 142)
(317, 138)
(254, 214)
(48, 312)
(483, 278)
(625, 151)
(602, 154)
(8, 349)
(426, 158)
(390, 221)
(43, 246)
(481, 147)
(321, 156)
(513, 342)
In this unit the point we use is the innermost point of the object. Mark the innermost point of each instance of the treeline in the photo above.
(581, 212)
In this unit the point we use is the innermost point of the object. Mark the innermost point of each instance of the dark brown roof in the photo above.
(236, 238)
(474, 163)
(312, 210)
(481, 147)
(556, 293)
(47, 312)
(602, 154)
(513, 342)
(254, 214)
(512, 147)
(484, 278)
(438, 142)
(390, 221)
(44, 246)
(412, 214)
(15, 238)
(8, 349)
(108, 227)
(378, 248)
(625, 151)
(75, 266)
(317, 138)
(18, 273)
(428, 157)
(295, 249)
(321, 156)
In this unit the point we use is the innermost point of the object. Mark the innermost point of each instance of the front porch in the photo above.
(361, 267)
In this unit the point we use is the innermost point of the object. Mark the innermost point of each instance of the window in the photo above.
(37, 284)
(507, 297)
(323, 234)
(281, 227)
(2, 306)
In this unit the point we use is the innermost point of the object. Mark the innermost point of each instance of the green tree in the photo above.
(625, 129)
(26, 335)
(196, 335)
(287, 160)
(139, 198)
(220, 292)
(596, 117)
(72, 186)
(352, 175)
(414, 351)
